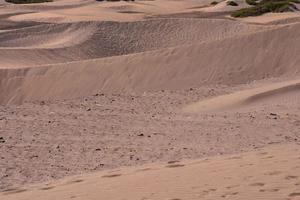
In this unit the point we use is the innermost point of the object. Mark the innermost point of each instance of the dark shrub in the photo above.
(251, 2)
(232, 3)
(266, 6)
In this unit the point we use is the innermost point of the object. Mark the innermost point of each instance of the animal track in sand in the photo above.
(111, 175)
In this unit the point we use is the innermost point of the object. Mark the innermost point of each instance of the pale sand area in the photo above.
(271, 173)
(88, 87)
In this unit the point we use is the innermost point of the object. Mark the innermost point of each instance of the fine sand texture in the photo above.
(148, 99)
(272, 173)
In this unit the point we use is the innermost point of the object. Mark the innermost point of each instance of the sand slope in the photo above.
(272, 173)
(231, 61)
(266, 94)
(65, 42)
(87, 86)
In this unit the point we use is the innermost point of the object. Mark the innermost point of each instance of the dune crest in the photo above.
(245, 98)
(259, 56)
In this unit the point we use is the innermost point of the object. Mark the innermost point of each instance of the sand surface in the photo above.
(271, 173)
(163, 99)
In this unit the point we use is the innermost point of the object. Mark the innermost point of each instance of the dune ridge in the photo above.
(245, 98)
(58, 43)
(270, 53)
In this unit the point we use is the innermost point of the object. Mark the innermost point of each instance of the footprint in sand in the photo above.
(257, 184)
(270, 190)
(77, 181)
(235, 158)
(173, 161)
(13, 191)
(74, 181)
(175, 165)
(268, 157)
(291, 177)
(229, 194)
(294, 194)
(273, 173)
(144, 169)
(207, 192)
(111, 175)
(47, 188)
(262, 153)
(232, 186)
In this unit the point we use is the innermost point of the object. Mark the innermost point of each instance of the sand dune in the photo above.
(47, 36)
(87, 86)
(105, 11)
(34, 45)
(265, 94)
(231, 61)
(272, 173)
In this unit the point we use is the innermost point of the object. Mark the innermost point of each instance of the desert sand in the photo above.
(163, 99)
(271, 173)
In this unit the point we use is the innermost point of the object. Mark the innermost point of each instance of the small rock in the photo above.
(2, 140)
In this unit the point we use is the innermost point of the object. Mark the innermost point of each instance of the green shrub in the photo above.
(251, 2)
(232, 3)
(27, 1)
(266, 6)
(214, 3)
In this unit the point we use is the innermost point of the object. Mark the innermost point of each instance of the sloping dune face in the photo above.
(281, 92)
(57, 43)
(47, 36)
(232, 60)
